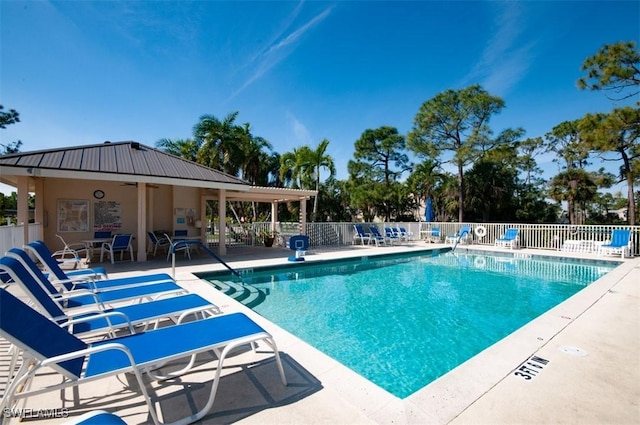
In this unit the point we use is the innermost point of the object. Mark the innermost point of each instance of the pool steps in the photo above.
(248, 295)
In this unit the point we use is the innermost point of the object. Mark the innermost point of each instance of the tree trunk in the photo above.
(571, 211)
(460, 193)
(631, 203)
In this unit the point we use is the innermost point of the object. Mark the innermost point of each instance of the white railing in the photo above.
(537, 236)
(13, 236)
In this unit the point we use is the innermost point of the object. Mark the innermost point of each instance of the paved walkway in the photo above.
(576, 364)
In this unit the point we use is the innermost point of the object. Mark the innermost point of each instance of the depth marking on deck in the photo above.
(530, 368)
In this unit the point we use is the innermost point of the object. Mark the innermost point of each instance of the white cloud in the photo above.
(277, 50)
(503, 62)
(300, 134)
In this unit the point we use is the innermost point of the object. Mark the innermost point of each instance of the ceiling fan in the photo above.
(152, 186)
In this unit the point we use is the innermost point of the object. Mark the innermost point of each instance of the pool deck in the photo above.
(579, 363)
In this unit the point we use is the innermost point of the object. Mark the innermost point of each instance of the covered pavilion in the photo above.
(127, 187)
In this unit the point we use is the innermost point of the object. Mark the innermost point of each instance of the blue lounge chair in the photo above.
(376, 236)
(361, 234)
(433, 235)
(463, 235)
(97, 417)
(110, 319)
(509, 239)
(81, 281)
(120, 243)
(46, 345)
(391, 235)
(620, 243)
(46, 258)
(83, 297)
(404, 234)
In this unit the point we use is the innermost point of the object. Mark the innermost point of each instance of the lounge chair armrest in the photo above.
(76, 293)
(93, 315)
(59, 283)
(213, 308)
(88, 351)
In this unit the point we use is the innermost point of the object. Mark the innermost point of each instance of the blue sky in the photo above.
(84, 72)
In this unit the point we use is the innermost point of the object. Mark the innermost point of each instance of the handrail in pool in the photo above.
(464, 232)
(187, 242)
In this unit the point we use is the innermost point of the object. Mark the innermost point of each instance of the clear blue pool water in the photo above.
(402, 322)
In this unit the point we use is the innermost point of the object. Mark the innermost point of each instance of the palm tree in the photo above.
(183, 148)
(301, 168)
(220, 143)
(293, 166)
(253, 156)
(316, 160)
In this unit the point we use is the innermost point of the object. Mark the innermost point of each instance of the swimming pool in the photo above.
(403, 321)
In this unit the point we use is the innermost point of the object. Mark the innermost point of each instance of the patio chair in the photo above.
(90, 285)
(46, 345)
(391, 235)
(361, 234)
(71, 253)
(83, 297)
(404, 234)
(121, 244)
(108, 320)
(620, 243)
(177, 246)
(158, 242)
(177, 234)
(433, 235)
(376, 236)
(463, 235)
(53, 270)
(509, 239)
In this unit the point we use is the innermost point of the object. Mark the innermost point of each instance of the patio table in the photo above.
(93, 244)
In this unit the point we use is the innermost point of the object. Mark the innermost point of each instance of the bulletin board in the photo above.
(73, 215)
(107, 215)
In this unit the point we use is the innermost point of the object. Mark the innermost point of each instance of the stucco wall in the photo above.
(162, 202)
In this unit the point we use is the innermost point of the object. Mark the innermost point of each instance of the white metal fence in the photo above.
(538, 236)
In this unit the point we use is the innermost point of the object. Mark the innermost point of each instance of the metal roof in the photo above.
(119, 161)
(132, 162)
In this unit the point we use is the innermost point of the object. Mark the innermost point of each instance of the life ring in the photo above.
(479, 262)
(480, 231)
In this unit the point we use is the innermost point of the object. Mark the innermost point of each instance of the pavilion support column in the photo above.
(150, 196)
(274, 216)
(202, 231)
(23, 206)
(142, 222)
(39, 213)
(222, 224)
(303, 216)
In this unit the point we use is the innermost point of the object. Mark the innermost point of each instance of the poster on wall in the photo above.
(107, 215)
(73, 215)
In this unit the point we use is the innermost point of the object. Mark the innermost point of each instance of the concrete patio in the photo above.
(601, 387)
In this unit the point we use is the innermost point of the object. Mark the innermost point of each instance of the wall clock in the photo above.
(98, 194)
